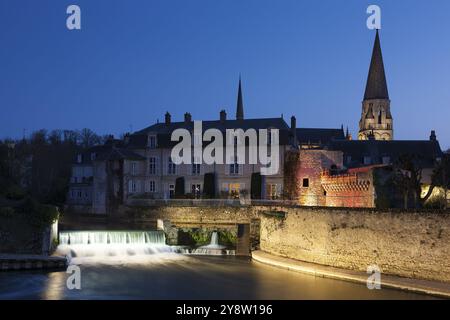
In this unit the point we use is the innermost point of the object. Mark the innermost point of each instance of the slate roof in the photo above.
(376, 86)
(425, 151)
(317, 136)
(107, 152)
(163, 130)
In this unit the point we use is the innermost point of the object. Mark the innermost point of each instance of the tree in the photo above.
(88, 138)
(408, 178)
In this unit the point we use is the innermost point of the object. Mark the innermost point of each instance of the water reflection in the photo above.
(174, 276)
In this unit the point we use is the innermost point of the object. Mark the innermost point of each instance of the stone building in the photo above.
(140, 166)
(376, 117)
(331, 169)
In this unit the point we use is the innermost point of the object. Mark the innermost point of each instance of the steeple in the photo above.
(240, 104)
(376, 87)
(376, 118)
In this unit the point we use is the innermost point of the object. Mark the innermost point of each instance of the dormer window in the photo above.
(152, 142)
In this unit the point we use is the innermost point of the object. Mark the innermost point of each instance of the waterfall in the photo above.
(213, 248)
(111, 243)
(111, 237)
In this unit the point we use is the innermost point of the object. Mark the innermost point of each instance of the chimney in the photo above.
(294, 131)
(223, 116)
(167, 118)
(126, 138)
(433, 135)
(187, 117)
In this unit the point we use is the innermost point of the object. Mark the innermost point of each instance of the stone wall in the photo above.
(415, 245)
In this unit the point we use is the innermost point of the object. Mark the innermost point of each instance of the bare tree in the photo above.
(88, 138)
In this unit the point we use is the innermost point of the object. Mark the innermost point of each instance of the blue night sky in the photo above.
(134, 60)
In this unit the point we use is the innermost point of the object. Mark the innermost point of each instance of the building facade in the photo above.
(331, 169)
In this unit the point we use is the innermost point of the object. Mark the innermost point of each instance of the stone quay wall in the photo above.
(408, 244)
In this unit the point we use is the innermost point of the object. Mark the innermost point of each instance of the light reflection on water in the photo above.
(174, 276)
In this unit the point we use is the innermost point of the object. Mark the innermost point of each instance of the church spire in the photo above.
(376, 87)
(240, 104)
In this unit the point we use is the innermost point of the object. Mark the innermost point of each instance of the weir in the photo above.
(111, 237)
(111, 243)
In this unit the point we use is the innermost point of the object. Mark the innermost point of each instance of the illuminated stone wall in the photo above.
(415, 245)
(312, 163)
(349, 190)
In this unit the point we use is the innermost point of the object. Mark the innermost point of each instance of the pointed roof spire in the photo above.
(376, 87)
(240, 104)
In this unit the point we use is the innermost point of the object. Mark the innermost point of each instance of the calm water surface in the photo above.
(173, 276)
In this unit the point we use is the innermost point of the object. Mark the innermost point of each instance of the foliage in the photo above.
(201, 237)
(383, 182)
(14, 192)
(39, 215)
(41, 165)
(6, 212)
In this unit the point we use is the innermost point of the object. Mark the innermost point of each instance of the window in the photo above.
(152, 142)
(367, 160)
(79, 194)
(234, 167)
(272, 191)
(93, 156)
(348, 159)
(171, 191)
(79, 158)
(152, 166)
(305, 183)
(234, 189)
(132, 187)
(195, 169)
(152, 186)
(133, 168)
(172, 168)
(196, 190)
(386, 160)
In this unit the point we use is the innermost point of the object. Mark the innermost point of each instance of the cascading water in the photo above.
(111, 243)
(213, 248)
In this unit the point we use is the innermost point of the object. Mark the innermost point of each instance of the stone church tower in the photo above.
(376, 119)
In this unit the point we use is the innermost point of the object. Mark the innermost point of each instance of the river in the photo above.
(176, 276)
